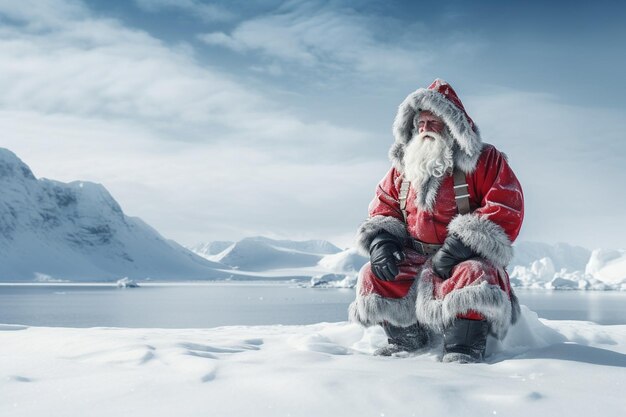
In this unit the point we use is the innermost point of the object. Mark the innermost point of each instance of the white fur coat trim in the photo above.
(375, 225)
(484, 237)
(373, 309)
(488, 300)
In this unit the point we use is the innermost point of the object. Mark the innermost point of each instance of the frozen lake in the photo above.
(225, 304)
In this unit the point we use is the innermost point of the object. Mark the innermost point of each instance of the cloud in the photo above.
(192, 150)
(203, 153)
(99, 67)
(93, 67)
(45, 14)
(569, 159)
(195, 8)
(314, 35)
(222, 39)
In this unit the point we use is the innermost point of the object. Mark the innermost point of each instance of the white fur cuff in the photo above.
(484, 237)
(373, 309)
(375, 225)
(488, 300)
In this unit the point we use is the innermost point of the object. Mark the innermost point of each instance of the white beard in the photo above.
(427, 158)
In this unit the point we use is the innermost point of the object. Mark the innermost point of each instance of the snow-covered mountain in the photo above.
(346, 261)
(262, 254)
(76, 231)
(211, 248)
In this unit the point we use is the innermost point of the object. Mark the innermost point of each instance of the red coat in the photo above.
(497, 204)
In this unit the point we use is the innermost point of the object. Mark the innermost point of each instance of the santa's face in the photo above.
(428, 122)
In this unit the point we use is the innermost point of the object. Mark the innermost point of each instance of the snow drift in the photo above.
(542, 368)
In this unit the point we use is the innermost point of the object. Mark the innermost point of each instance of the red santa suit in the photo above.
(478, 288)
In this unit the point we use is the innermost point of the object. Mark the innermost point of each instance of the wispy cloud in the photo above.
(93, 67)
(42, 15)
(196, 8)
(192, 150)
(320, 35)
(222, 39)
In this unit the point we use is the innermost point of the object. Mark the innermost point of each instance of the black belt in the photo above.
(422, 248)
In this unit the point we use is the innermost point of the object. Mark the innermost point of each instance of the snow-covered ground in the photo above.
(543, 368)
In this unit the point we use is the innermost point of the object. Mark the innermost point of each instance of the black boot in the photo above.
(404, 339)
(465, 341)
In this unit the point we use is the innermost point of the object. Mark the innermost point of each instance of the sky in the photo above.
(226, 119)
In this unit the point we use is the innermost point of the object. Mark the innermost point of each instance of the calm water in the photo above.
(222, 304)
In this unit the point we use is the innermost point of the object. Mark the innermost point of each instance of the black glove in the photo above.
(451, 253)
(385, 253)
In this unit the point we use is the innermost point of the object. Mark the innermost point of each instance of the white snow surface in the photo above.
(52, 231)
(542, 368)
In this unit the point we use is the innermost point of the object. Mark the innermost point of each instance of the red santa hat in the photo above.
(448, 92)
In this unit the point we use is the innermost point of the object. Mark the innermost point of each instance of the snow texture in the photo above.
(541, 368)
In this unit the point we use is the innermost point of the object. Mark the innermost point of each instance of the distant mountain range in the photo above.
(262, 254)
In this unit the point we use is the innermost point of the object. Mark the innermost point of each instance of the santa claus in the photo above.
(439, 234)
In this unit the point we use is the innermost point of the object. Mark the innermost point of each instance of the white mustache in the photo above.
(433, 135)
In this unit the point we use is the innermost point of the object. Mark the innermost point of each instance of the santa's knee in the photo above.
(472, 271)
(473, 292)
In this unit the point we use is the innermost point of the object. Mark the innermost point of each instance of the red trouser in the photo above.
(472, 272)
